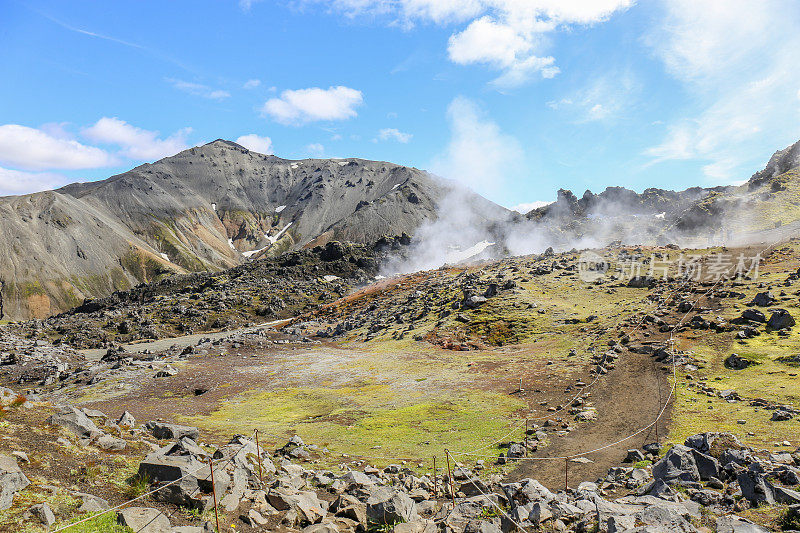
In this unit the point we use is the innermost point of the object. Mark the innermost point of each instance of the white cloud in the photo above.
(136, 143)
(198, 89)
(387, 134)
(262, 145)
(479, 154)
(315, 149)
(33, 149)
(509, 36)
(18, 182)
(526, 208)
(738, 61)
(314, 104)
(251, 84)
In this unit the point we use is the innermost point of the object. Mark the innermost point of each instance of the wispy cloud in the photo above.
(738, 61)
(604, 98)
(198, 89)
(393, 134)
(102, 36)
(315, 150)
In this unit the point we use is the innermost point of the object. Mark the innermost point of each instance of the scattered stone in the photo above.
(43, 512)
(737, 362)
(780, 319)
(75, 421)
(126, 421)
(163, 430)
(144, 520)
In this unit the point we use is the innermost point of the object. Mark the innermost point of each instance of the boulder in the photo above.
(309, 508)
(473, 487)
(94, 413)
(707, 466)
(388, 506)
(641, 282)
(781, 415)
(754, 315)
(12, 480)
(786, 496)
(617, 524)
(634, 456)
(162, 430)
(429, 526)
(109, 443)
(347, 506)
(474, 301)
(678, 464)
(755, 488)
(75, 421)
(665, 518)
(144, 520)
(326, 527)
(763, 299)
(180, 461)
(467, 511)
(736, 362)
(540, 512)
(358, 479)
(780, 319)
(91, 503)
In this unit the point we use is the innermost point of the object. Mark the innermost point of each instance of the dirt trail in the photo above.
(627, 399)
(94, 354)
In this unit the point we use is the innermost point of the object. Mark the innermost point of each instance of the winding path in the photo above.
(627, 399)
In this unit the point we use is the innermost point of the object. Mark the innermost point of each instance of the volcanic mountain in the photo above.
(206, 208)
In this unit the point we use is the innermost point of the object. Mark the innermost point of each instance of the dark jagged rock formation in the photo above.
(254, 292)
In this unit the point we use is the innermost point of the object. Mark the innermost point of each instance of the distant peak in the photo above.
(223, 142)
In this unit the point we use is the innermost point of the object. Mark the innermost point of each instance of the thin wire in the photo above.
(123, 504)
(477, 486)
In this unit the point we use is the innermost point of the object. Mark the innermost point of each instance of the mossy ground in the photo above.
(372, 421)
(768, 379)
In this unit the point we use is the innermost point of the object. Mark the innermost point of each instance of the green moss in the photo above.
(356, 419)
(106, 523)
(31, 288)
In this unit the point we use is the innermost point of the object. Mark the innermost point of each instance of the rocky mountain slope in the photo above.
(206, 208)
(693, 217)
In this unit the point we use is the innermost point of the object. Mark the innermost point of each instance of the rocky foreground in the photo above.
(697, 486)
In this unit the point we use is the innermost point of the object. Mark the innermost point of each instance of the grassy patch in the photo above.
(371, 420)
(106, 523)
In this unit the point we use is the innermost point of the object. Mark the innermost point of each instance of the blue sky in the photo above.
(515, 98)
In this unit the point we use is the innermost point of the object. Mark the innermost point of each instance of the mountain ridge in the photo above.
(206, 208)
